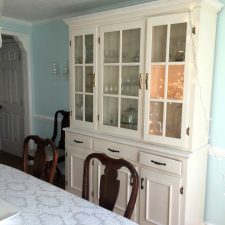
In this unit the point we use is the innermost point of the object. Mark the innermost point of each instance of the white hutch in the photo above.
(140, 88)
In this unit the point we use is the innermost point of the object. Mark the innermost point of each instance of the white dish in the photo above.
(7, 210)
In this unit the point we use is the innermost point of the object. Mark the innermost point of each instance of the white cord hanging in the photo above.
(1, 9)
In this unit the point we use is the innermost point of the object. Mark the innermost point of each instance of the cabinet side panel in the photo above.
(203, 76)
(195, 188)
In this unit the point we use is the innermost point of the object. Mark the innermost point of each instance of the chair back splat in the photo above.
(40, 167)
(109, 184)
(64, 123)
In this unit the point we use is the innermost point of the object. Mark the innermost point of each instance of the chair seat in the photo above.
(49, 153)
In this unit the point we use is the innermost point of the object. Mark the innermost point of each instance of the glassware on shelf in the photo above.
(78, 49)
(89, 48)
(177, 42)
(131, 45)
(173, 120)
(129, 114)
(156, 118)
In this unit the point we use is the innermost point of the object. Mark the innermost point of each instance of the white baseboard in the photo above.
(206, 223)
(43, 117)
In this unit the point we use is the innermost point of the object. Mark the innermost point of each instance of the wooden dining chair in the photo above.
(40, 166)
(109, 184)
(58, 138)
(65, 122)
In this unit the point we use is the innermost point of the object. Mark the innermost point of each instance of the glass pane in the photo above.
(173, 120)
(79, 107)
(78, 49)
(89, 108)
(175, 82)
(89, 79)
(78, 78)
(111, 80)
(130, 80)
(131, 45)
(89, 48)
(177, 42)
(129, 113)
(159, 37)
(156, 118)
(111, 47)
(110, 111)
(157, 82)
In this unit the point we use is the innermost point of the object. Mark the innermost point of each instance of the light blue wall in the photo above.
(15, 26)
(215, 198)
(49, 44)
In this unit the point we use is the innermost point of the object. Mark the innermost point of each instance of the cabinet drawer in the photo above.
(162, 163)
(79, 140)
(116, 149)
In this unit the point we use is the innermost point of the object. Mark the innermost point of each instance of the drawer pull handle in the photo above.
(79, 142)
(112, 150)
(158, 163)
(142, 185)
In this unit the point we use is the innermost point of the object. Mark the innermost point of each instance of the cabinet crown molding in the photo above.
(144, 10)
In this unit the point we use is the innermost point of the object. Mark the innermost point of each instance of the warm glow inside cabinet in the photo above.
(168, 47)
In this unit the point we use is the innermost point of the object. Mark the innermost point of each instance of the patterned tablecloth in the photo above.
(42, 203)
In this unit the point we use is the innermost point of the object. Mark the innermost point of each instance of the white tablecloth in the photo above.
(45, 204)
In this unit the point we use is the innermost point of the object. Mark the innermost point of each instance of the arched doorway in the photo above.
(15, 127)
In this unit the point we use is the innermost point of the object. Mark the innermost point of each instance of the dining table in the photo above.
(39, 202)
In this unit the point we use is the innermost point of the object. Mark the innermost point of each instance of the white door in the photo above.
(11, 105)
(159, 199)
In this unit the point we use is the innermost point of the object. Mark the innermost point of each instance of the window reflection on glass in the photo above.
(156, 118)
(89, 48)
(111, 47)
(129, 113)
(175, 82)
(111, 80)
(159, 38)
(130, 80)
(173, 120)
(78, 49)
(79, 78)
(110, 111)
(177, 42)
(157, 82)
(79, 107)
(89, 108)
(89, 79)
(131, 45)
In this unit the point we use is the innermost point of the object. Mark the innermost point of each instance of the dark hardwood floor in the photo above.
(16, 162)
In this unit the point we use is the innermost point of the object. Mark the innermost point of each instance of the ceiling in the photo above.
(38, 10)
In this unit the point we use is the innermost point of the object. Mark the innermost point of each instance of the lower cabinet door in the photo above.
(124, 192)
(159, 198)
(74, 171)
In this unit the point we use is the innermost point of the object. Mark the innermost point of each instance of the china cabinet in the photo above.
(140, 88)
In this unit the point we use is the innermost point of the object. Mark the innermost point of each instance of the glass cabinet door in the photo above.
(121, 77)
(84, 78)
(165, 78)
